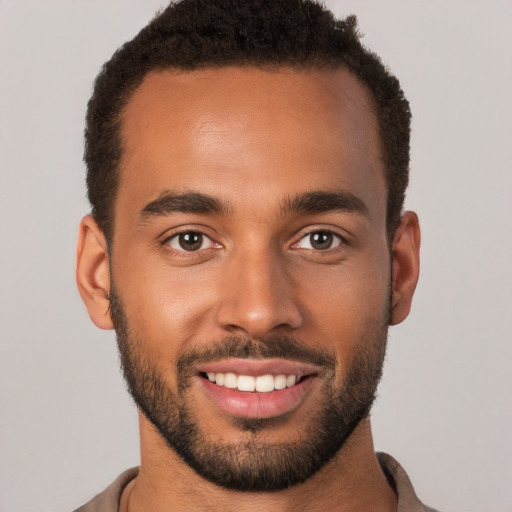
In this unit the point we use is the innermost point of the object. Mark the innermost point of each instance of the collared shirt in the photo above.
(399, 480)
(108, 500)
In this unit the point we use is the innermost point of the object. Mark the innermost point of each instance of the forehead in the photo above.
(255, 134)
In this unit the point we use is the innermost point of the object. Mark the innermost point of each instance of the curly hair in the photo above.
(200, 34)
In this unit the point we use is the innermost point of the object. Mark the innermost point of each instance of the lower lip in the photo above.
(246, 404)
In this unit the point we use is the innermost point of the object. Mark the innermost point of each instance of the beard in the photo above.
(254, 463)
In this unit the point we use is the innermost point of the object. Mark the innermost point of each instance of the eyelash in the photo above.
(184, 252)
(335, 239)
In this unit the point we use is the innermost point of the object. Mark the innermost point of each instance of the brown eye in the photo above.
(319, 241)
(189, 241)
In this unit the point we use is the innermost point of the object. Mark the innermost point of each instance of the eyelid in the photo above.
(342, 241)
(173, 241)
(176, 232)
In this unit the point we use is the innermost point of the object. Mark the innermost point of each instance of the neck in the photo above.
(352, 480)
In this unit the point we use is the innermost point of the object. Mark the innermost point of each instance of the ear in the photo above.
(92, 272)
(406, 266)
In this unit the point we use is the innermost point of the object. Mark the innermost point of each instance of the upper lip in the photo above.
(255, 367)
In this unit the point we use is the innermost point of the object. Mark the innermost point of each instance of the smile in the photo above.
(248, 383)
(257, 388)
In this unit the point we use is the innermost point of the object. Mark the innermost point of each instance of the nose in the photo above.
(258, 296)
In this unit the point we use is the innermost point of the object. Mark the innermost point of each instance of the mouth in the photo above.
(250, 384)
(257, 388)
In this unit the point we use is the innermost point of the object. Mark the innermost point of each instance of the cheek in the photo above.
(348, 305)
(165, 307)
(349, 292)
(155, 303)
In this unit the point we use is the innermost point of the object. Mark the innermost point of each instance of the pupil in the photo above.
(321, 240)
(191, 241)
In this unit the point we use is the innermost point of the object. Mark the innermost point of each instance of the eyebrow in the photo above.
(322, 202)
(307, 203)
(190, 202)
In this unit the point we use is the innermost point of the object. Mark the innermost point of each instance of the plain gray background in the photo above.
(67, 425)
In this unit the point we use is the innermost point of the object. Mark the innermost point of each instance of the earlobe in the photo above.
(92, 272)
(406, 265)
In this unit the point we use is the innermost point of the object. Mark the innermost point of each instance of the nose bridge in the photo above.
(258, 295)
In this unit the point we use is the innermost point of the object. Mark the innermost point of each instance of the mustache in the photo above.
(283, 347)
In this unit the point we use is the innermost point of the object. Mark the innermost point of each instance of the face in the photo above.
(250, 268)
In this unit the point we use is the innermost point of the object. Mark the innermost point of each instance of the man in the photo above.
(247, 164)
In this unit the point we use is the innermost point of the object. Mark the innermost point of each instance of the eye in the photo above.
(190, 241)
(319, 241)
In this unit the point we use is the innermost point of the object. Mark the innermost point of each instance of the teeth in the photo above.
(246, 383)
(262, 383)
(290, 381)
(230, 380)
(265, 383)
(280, 382)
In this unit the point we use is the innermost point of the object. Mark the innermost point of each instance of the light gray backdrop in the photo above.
(67, 425)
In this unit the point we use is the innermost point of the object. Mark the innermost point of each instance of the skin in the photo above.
(252, 139)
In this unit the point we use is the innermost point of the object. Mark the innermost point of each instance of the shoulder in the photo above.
(108, 500)
(397, 477)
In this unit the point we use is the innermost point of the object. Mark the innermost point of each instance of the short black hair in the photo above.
(201, 34)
